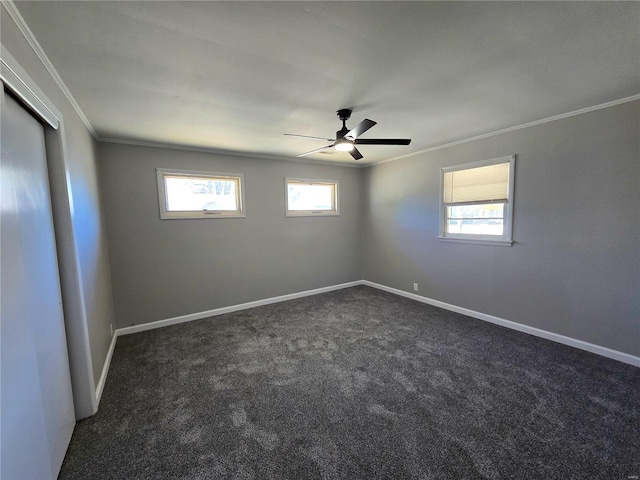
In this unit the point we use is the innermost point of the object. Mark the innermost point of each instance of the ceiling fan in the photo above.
(347, 139)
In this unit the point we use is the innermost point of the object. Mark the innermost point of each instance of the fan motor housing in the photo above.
(344, 114)
(341, 133)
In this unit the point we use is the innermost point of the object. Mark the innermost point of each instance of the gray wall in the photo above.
(166, 268)
(575, 267)
(88, 223)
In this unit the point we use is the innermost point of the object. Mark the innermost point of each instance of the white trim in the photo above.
(78, 338)
(230, 153)
(13, 12)
(561, 116)
(474, 241)
(237, 178)
(105, 369)
(504, 240)
(334, 212)
(555, 337)
(232, 308)
(33, 42)
(12, 75)
(61, 192)
(589, 347)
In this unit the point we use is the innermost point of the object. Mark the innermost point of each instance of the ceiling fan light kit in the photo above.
(346, 140)
(344, 145)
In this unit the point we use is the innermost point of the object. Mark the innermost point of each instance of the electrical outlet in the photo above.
(111, 328)
(415, 287)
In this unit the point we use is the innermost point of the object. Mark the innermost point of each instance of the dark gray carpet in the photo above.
(357, 384)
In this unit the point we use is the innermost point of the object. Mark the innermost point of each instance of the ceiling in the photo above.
(235, 76)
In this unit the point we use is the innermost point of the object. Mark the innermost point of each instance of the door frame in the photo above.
(15, 79)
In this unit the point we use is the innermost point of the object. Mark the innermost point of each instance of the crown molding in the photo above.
(561, 116)
(15, 15)
(554, 118)
(230, 153)
(13, 12)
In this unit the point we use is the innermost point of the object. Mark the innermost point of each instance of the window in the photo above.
(477, 202)
(306, 198)
(187, 194)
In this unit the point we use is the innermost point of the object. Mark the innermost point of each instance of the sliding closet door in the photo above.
(37, 417)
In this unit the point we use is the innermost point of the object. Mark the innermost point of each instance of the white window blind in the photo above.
(482, 184)
(476, 202)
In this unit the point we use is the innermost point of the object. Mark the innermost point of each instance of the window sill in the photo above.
(475, 241)
(190, 216)
(311, 213)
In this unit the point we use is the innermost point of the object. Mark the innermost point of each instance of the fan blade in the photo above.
(307, 136)
(355, 154)
(383, 141)
(359, 129)
(316, 150)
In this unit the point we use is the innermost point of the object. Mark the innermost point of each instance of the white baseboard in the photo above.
(232, 308)
(572, 342)
(200, 315)
(555, 337)
(105, 369)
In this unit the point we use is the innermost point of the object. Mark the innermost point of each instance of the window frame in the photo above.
(190, 214)
(312, 213)
(506, 239)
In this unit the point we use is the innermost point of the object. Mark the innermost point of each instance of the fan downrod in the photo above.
(343, 114)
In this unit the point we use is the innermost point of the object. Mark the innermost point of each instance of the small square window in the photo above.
(188, 194)
(476, 202)
(306, 198)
